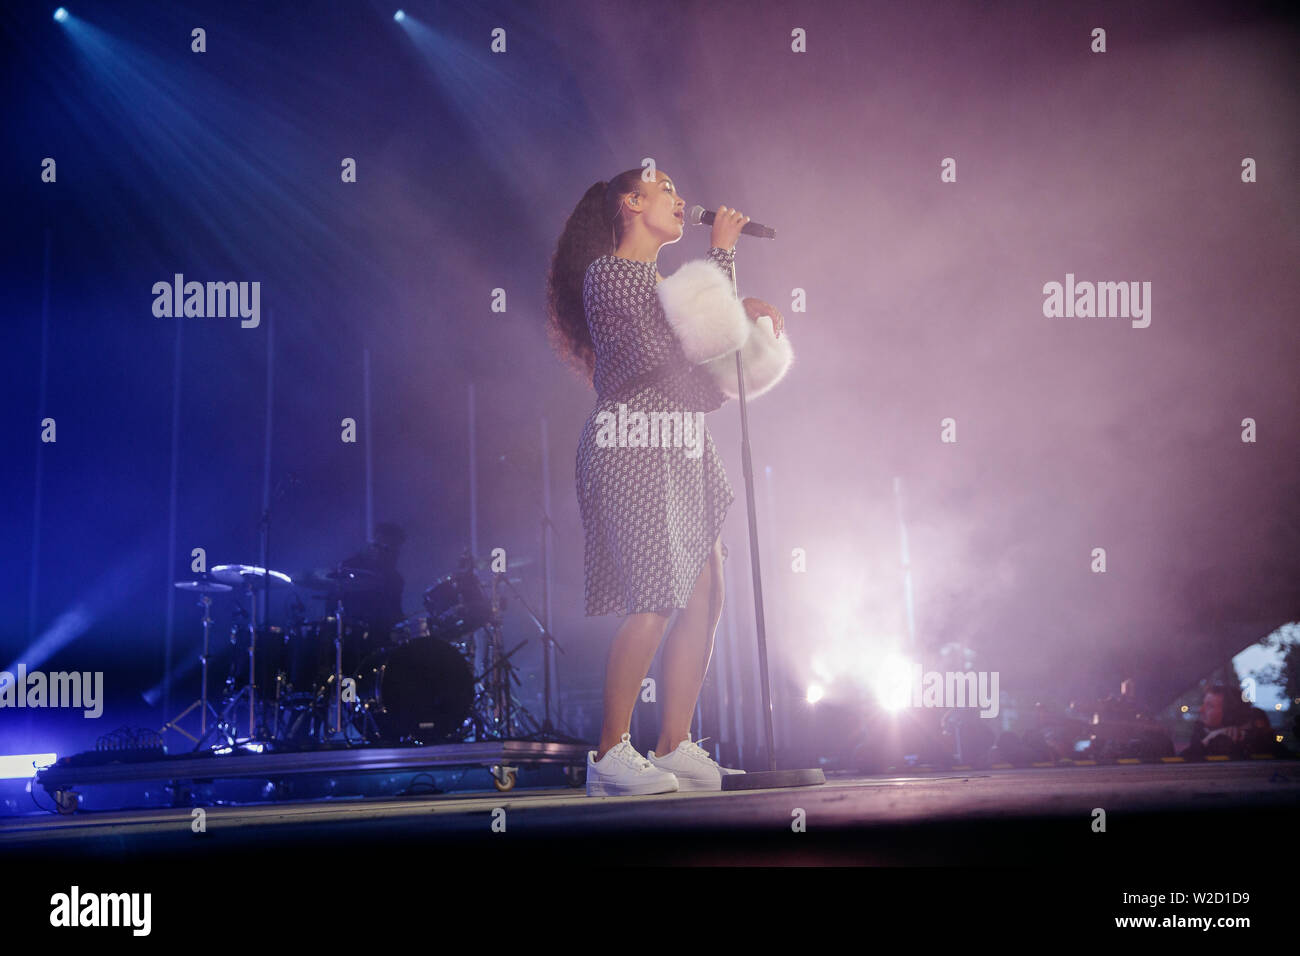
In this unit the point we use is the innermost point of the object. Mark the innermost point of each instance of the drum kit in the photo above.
(440, 676)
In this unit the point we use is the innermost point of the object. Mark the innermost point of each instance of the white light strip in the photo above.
(23, 766)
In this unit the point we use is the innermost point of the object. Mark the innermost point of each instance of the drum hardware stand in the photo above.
(547, 731)
(359, 710)
(320, 727)
(202, 703)
(338, 667)
(227, 724)
(359, 713)
(315, 713)
(324, 727)
(258, 732)
(499, 667)
(502, 706)
(485, 714)
(255, 732)
(370, 729)
(549, 643)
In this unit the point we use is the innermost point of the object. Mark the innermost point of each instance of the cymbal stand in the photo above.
(338, 667)
(252, 661)
(202, 703)
(358, 711)
(547, 731)
(227, 724)
(496, 707)
(499, 680)
(500, 677)
(264, 529)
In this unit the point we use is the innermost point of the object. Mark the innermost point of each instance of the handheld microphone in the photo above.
(702, 217)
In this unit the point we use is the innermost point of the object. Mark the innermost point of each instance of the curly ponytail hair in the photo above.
(594, 228)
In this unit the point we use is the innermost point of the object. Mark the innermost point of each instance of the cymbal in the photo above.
(511, 563)
(240, 574)
(343, 578)
(202, 587)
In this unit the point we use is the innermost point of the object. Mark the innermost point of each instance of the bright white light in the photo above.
(869, 662)
(60, 14)
(399, 16)
(1263, 658)
(22, 766)
(815, 693)
(892, 682)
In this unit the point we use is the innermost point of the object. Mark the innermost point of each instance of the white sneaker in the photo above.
(623, 771)
(693, 767)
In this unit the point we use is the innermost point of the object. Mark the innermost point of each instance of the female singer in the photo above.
(651, 514)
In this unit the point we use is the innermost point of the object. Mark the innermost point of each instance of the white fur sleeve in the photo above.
(703, 311)
(764, 357)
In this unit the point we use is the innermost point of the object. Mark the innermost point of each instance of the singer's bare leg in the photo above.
(630, 656)
(687, 653)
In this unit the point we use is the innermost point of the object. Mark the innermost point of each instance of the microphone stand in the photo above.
(770, 777)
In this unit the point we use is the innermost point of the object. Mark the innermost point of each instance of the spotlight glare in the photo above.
(61, 14)
(892, 683)
(815, 693)
(399, 16)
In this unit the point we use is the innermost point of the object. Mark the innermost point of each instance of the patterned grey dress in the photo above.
(650, 515)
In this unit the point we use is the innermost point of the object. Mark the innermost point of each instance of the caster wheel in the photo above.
(68, 801)
(575, 776)
(504, 778)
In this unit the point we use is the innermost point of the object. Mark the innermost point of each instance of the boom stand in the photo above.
(771, 777)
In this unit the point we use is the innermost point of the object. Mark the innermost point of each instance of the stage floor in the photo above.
(1029, 817)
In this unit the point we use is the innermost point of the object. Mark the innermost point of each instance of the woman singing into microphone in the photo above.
(653, 503)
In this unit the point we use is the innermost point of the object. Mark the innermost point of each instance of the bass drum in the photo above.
(423, 692)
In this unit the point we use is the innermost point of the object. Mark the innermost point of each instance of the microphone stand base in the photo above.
(773, 779)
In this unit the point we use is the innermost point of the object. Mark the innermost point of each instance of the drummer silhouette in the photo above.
(380, 607)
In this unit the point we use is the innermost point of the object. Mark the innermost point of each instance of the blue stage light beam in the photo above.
(195, 160)
(189, 664)
(399, 16)
(492, 94)
(78, 619)
(61, 14)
